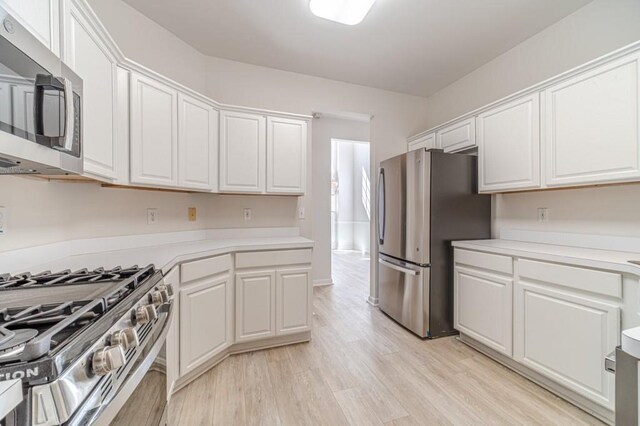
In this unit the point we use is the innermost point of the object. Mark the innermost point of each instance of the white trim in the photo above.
(322, 282)
(373, 301)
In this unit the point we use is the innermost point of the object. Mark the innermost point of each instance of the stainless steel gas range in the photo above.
(82, 343)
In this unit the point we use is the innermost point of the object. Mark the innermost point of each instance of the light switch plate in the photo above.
(192, 214)
(247, 214)
(3, 220)
(301, 212)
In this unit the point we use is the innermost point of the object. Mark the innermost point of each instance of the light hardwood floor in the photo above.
(361, 368)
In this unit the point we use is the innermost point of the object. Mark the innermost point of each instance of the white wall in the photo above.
(596, 29)
(325, 129)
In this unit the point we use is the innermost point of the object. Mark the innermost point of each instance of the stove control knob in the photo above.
(166, 287)
(159, 297)
(144, 314)
(107, 359)
(127, 338)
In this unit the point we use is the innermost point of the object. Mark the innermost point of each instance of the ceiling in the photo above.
(408, 46)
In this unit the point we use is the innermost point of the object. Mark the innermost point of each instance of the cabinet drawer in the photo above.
(203, 268)
(258, 259)
(492, 262)
(599, 282)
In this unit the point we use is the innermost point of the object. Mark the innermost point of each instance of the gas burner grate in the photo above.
(66, 277)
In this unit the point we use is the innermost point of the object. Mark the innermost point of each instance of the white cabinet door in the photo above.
(428, 142)
(40, 17)
(286, 155)
(255, 305)
(197, 144)
(92, 61)
(509, 146)
(204, 319)
(592, 126)
(566, 336)
(154, 132)
(172, 344)
(242, 152)
(457, 136)
(294, 299)
(483, 307)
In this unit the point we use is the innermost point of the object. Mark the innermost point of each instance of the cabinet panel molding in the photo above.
(509, 146)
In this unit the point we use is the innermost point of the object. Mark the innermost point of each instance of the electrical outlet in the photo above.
(152, 216)
(301, 212)
(543, 214)
(3, 220)
(247, 214)
(192, 214)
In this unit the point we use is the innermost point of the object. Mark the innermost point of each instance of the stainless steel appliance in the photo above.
(40, 106)
(426, 199)
(82, 342)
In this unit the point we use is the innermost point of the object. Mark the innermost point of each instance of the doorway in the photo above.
(350, 192)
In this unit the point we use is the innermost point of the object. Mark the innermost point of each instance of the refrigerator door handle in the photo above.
(381, 206)
(398, 268)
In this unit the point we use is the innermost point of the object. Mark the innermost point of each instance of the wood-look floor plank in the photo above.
(260, 403)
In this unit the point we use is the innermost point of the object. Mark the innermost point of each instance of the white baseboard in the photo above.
(322, 282)
(373, 301)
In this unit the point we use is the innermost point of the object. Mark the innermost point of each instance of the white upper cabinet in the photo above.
(154, 132)
(40, 17)
(197, 144)
(509, 146)
(242, 152)
(457, 136)
(286, 155)
(92, 61)
(427, 141)
(592, 125)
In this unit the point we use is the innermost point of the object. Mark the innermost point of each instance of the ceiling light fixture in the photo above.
(348, 12)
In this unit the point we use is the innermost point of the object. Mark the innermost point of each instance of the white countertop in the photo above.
(162, 250)
(594, 258)
(166, 256)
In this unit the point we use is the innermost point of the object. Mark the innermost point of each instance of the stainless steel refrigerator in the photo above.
(426, 199)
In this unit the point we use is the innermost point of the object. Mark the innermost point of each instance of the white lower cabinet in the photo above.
(563, 319)
(483, 307)
(255, 305)
(206, 304)
(204, 319)
(294, 299)
(566, 337)
(247, 298)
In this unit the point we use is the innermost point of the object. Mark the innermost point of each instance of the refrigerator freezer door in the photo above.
(404, 293)
(403, 207)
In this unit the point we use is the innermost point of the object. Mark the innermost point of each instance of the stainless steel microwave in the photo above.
(40, 106)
